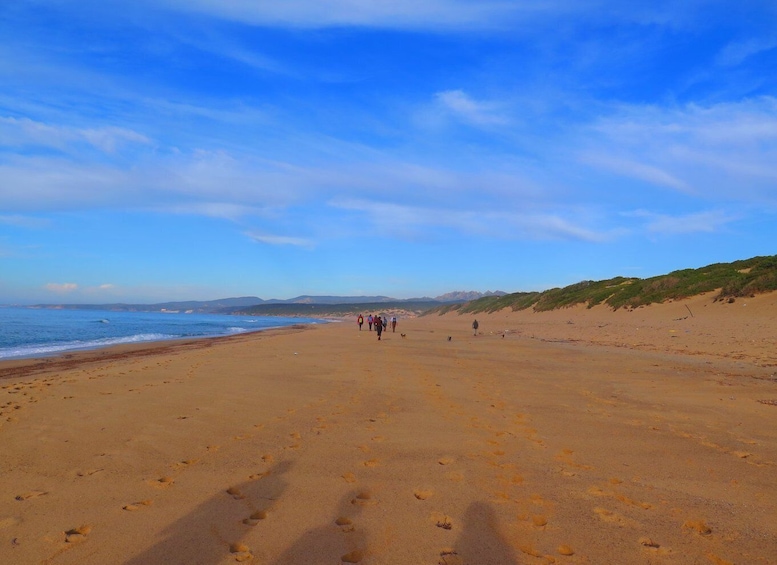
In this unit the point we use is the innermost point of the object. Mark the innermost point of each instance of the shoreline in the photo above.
(25, 366)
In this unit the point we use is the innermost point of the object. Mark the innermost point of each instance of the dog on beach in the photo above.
(403, 336)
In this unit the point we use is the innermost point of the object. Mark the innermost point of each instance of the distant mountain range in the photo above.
(244, 303)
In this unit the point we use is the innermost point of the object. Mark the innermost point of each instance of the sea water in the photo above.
(34, 332)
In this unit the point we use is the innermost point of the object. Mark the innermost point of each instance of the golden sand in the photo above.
(574, 436)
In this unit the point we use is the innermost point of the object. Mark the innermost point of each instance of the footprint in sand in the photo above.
(31, 494)
(235, 493)
(565, 550)
(371, 463)
(255, 518)
(539, 520)
(241, 552)
(698, 526)
(648, 542)
(77, 534)
(449, 556)
(353, 556)
(88, 473)
(422, 494)
(184, 463)
(257, 476)
(363, 498)
(442, 520)
(346, 524)
(138, 505)
(268, 458)
(349, 477)
(162, 482)
(614, 518)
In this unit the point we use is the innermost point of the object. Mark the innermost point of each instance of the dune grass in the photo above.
(747, 277)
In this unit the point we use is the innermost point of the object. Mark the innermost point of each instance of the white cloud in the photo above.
(429, 14)
(628, 168)
(737, 52)
(463, 107)
(61, 288)
(413, 222)
(719, 151)
(445, 14)
(698, 222)
(281, 240)
(17, 132)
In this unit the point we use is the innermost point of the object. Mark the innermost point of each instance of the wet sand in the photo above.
(575, 436)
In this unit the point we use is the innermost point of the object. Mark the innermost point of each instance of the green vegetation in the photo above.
(731, 280)
(333, 310)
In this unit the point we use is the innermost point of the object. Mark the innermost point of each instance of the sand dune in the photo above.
(575, 436)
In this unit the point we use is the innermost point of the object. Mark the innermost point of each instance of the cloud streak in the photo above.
(460, 105)
(20, 132)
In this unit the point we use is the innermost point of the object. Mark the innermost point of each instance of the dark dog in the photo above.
(403, 336)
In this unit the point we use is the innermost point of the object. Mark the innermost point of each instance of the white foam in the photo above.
(49, 349)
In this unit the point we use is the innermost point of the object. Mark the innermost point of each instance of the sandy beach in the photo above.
(573, 436)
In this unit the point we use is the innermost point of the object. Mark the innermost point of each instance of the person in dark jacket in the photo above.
(378, 326)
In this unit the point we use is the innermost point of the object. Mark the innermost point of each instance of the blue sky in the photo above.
(198, 149)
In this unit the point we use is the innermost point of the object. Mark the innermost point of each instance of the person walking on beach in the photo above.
(475, 326)
(370, 319)
(378, 326)
(360, 321)
(393, 324)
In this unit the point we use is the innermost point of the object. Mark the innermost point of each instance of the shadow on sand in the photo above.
(213, 530)
(480, 543)
(338, 540)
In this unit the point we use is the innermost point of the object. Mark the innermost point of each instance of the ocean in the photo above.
(35, 332)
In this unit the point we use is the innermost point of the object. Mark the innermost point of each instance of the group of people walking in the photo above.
(379, 323)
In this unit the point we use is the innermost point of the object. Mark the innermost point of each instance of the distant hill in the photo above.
(466, 296)
(401, 308)
(252, 304)
(731, 280)
(335, 300)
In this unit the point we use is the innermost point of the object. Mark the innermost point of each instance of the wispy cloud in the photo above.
(709, 221)
(628, 168)
(726, 150)
(61, 288)
(281, 240)
(463, 107)
(736, 52)
(413, 222)
(17, 132)
(441, 14)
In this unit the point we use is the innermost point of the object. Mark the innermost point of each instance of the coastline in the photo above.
(558, 443)
(25, 366)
